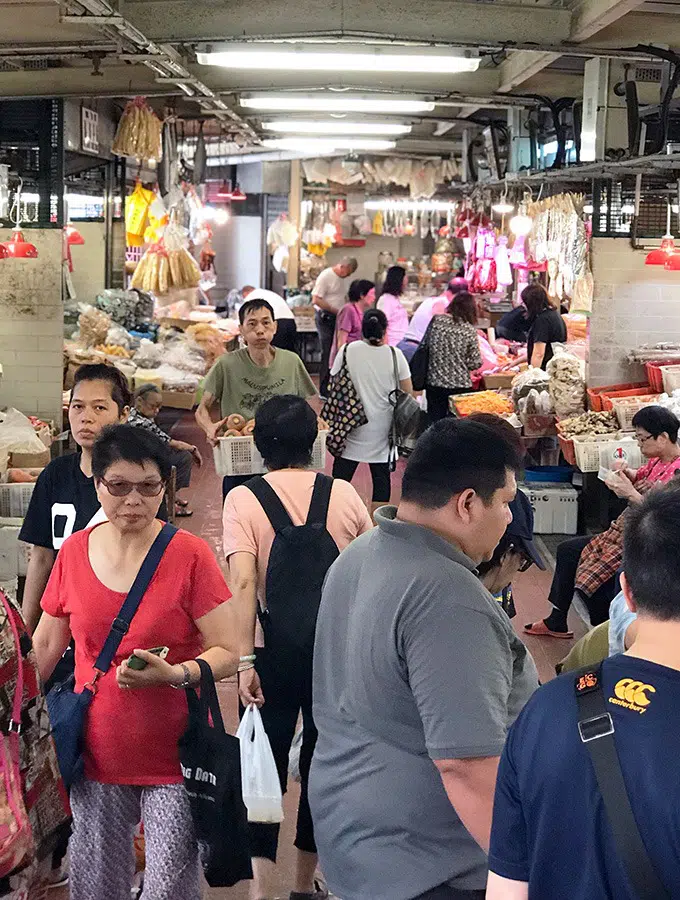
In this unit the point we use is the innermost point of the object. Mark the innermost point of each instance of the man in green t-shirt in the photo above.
(241, 381)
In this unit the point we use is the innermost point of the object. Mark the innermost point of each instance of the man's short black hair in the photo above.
(252, 306)
(651, 554)
(130, 444)
(657, 421)
(120, 392)
(285, 430)
(455, 455)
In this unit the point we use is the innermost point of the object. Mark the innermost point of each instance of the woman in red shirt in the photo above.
(132, 769)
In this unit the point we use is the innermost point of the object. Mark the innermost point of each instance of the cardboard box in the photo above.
(30, 460)
(497, 380)
(179, 399)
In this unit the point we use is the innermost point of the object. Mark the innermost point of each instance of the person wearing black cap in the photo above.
(516, 552)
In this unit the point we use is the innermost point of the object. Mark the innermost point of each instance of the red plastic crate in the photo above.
(654, 373)
(567, 448)
(595, 394)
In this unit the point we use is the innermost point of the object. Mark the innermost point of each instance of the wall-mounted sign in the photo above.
(89, 130)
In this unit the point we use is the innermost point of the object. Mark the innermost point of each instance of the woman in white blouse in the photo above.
(454, 354)
(371, 367)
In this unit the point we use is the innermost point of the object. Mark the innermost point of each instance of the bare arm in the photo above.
(40, 566)
(50, 640)
(190, 448)
(322, 303)
(219, 637)
(243, 584)
(342, 337)
(537, 355)
(470, 786)
(498, 888)
(406, 385)
(204, 418)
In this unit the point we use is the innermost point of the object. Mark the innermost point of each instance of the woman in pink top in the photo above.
(390, 303)
(361, 296)
(285, 431)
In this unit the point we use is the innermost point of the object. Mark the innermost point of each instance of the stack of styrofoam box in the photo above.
(13, 554)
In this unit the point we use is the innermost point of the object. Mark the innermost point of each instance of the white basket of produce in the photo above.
(627, 408)
(593, 453)
(239, 455)
(671, 378)
(14, 500)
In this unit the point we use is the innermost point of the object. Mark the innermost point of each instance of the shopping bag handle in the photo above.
(208, 702)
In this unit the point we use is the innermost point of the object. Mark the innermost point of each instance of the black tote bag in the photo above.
(420, 361)
(211, 766)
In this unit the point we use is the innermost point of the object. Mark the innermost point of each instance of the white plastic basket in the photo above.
(14, 500)
(671, 378)
(627, 407)
(239, 455)
(594, 453)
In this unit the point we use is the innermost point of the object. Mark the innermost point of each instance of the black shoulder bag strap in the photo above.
(121, 624)
(596, 728)
(321, 498)
(269, 500)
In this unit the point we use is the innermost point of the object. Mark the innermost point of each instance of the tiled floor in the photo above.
(530, 591)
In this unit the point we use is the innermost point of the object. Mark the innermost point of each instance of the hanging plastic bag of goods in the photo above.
(139, 132)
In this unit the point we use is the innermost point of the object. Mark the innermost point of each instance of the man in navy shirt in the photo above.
(551, 838)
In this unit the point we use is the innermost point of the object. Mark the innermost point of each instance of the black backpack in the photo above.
(299, 559)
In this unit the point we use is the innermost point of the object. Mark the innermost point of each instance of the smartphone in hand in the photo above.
(134, 662)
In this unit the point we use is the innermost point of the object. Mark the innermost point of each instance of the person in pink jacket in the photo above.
(390, 303)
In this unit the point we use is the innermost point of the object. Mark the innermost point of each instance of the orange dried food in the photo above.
(484, 402)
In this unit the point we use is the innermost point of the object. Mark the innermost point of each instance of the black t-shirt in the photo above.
(548, 326)
(64, 500)
(513, 326)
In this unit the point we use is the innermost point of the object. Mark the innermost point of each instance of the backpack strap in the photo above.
(269, 500)
(596, 729)
(121, 623)
(321, 498)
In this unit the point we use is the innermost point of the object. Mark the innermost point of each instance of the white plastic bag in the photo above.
(259, 777)
(294, 756)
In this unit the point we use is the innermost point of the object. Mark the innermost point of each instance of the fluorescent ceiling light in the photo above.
(291, 126)
(323, 145)
(339, 57)
(337, 103)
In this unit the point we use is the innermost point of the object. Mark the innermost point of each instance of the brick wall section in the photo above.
(633, 304)
(31, 327)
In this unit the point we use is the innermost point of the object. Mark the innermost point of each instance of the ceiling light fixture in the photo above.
(329, 145)
(17, 247)
(337, 103)
(293, 126)
(224, 191)
(73, 236)
(338, 57)
(238, 195)
(661, 255)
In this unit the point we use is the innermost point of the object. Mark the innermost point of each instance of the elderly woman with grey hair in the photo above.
(148, 400)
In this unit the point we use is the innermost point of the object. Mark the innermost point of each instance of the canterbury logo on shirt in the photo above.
(632, 695)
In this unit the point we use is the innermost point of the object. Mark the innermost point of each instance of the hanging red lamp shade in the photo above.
(237, 194)
(672, 262)
(73, 236)
(660, 255)
(18, 248)
(3, 252)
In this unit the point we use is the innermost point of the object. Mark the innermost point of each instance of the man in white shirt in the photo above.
(329, 296)
(286, 329)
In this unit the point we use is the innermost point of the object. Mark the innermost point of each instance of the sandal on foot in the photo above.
(540, 629)
(183, 512)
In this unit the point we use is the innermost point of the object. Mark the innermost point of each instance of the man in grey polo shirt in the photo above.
(417, 676)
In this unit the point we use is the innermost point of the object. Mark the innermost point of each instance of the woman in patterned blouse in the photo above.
(454, 354)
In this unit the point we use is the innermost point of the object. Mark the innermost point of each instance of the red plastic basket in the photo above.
(595, 394)
(567, 448)
(654, 373)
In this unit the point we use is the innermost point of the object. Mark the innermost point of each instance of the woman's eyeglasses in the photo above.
(642, 439)
(143, 488)
(526, 564)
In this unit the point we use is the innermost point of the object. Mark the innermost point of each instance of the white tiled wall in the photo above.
(633, 304)
(31, 327)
